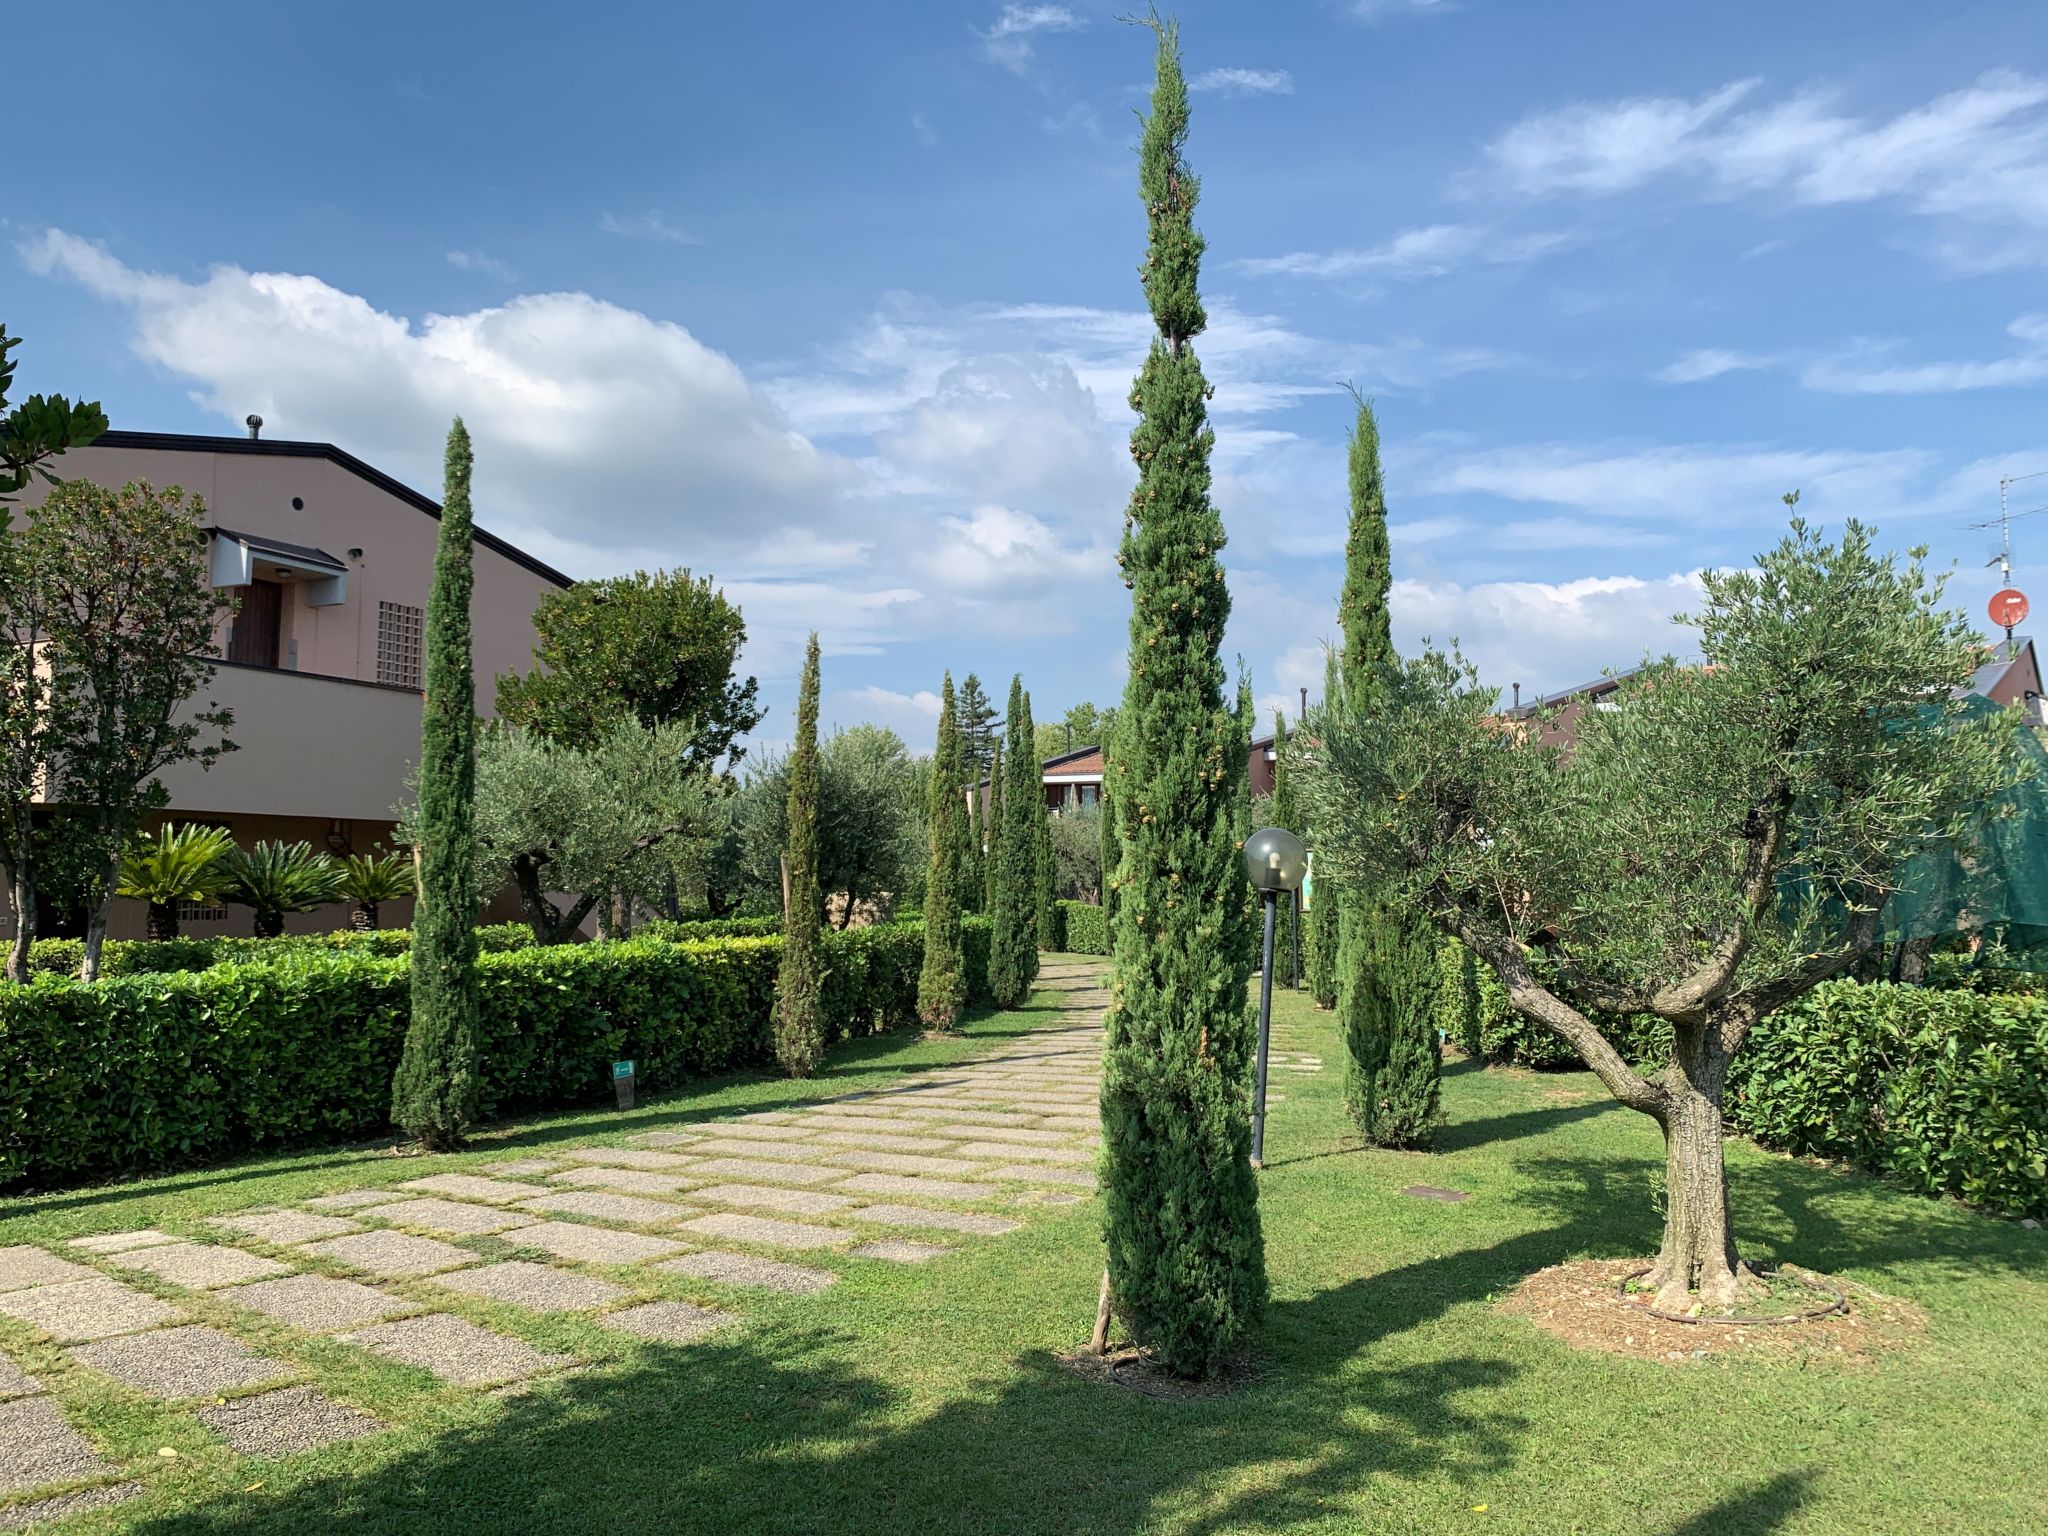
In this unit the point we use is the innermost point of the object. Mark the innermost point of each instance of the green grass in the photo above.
(1390, 1395)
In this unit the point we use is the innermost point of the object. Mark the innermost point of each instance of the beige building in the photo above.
(330, 561)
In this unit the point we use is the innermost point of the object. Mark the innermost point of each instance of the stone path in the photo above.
(664, 1238)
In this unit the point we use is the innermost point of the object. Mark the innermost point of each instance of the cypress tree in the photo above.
(968, 850)
(1288, 815)
(1111, 848)
(433, 1092)
(1387, 968)
(1319, 947)
(1046, 889)
(942, 983)
(990, 847)
(1013, 947)
(799, 1031)
(1180, 1204)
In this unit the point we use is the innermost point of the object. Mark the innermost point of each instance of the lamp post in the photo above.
(1276, 862)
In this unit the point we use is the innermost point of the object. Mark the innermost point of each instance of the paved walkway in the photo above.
(663, 1238)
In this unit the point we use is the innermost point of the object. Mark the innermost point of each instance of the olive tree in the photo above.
(1719, 841)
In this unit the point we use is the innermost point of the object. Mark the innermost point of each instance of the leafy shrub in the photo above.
(1083, 928)
(711, 928)
(1945, 1092)
(145, 1070)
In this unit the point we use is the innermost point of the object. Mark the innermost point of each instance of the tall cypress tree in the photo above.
(1046, 887)
(1110, 849)
(1288, 815)
(1013, 947)
(1387, 970)
(433, 1093)
(942, 984)
(992, 829)
(968, 840)
(799, 1018)
(1319, 947)
(1180, 1208)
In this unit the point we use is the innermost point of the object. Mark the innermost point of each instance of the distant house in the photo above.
(2007, 676)
(1074, 779)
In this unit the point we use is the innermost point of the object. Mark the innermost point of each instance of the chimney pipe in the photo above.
(1518, 695)
(1304, 701)
(255, 425)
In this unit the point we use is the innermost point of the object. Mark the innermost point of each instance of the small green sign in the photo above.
(622, 1069)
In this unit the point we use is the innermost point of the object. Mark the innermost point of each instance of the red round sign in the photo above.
(2008, 607)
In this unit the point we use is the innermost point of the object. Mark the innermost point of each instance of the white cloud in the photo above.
(1013, 40)
(1974, 160)
(921, 125)
(1229, 82)
(1385, 10)
(997, 551)
(1711, 363)
(923, 702)
(1864, 376)
(478, 261)
(646, 226)
(1430, 250)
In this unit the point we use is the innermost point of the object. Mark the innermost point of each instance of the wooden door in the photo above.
(254, 636)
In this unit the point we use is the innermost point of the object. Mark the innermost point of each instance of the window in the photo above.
(212, 910)
(398, 644)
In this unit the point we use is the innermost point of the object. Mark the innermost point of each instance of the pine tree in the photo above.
(1013, 947)
(942, 984)
(799, 1019)
(1186, 1256)
(1387, 970)
(433, 1093)
(977, 727)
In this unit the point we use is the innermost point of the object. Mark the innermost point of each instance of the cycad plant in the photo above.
(273, 879)
(178, 864)
(369, 881)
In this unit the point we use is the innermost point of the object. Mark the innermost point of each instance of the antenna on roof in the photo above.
(255, 425)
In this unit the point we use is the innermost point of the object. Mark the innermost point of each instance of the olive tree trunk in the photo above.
(1699, 1245)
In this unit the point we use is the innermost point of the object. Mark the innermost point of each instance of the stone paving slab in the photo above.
(660, 1139)
(753, 1170)
(538, 1287)
(320, 1303)
(286, 1226)
(392, 1255)
(959, 1115)
(456, 1350)
(523, 1167)
(632, 1181)
(200, 1266)
(121, 1242)
(15, 1382)
(24, 1266)
(935, 1220)
(38, 1446)
(469, 1186)
(86, 1309)
(900, 1250)
(20, 1517)
(287, 1420)
(1013, 1134)
(795, 1130)
(194, 1361)
(602, 1206)
(740, 1269)
(1072, 1156)
(825, 1120)
(349, 1199)
(930, 1189)
(801, 1202)
(436, 1215)
(901, 1162)
(592, 1245)
(666, 1322)
(766, 1231)
(627, 1157)
(1078, 1178)
(885, 1141)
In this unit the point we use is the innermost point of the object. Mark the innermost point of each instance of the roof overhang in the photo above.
(237, 559)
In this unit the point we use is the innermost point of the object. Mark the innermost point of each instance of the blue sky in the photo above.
(839, 302)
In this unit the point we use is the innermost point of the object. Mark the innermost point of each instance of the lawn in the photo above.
(1389, 1394)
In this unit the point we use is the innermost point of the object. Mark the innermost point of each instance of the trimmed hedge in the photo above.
(147, 1071)
(140, 957)
(1083, 928)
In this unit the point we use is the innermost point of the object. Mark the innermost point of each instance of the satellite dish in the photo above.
(2008, 607)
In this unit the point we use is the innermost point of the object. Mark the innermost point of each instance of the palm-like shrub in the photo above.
(273, 879)
(369, 881)
(178, 864)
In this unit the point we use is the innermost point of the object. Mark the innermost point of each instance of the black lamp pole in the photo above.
(1270, 900)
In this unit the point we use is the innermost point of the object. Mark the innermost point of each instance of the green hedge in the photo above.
(710, 928)
(148, 1071)
(1083, 928)
(140, 957)
(1945, 1093)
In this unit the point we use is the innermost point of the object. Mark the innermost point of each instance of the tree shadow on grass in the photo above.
(1464, 1135)
(1754, 1511)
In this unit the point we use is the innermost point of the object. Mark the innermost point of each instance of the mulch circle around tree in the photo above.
(1135, 1370)
(1585, 1304)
